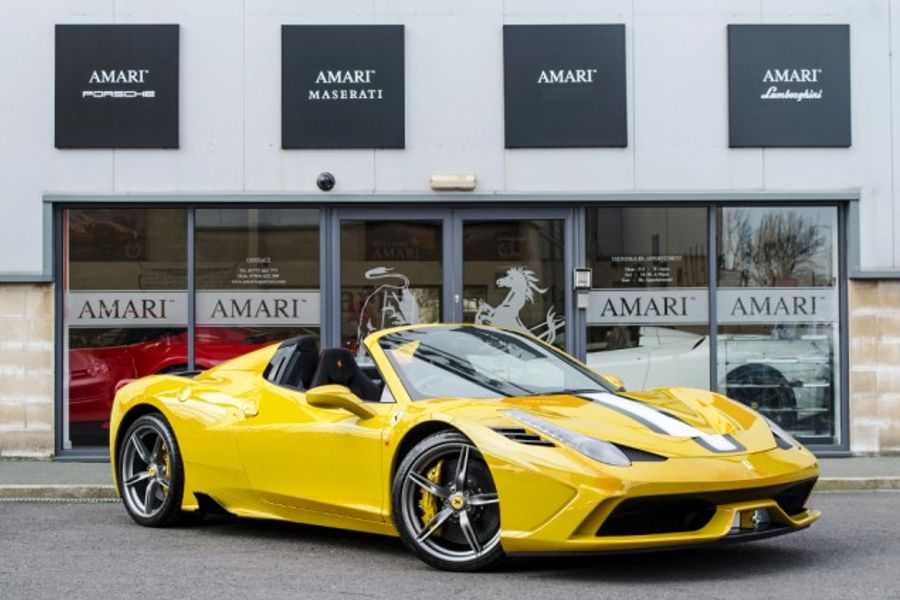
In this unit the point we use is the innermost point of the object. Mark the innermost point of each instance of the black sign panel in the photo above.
(789, 85)
(342, 86)
(564, 86)
(117, 86)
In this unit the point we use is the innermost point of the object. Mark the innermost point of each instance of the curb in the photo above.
(65, 492)
(108, 492)
(857, 484)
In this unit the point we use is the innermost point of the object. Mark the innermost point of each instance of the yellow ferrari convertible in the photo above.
(471, 443)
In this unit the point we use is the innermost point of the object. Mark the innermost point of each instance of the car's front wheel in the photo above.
(151, 472)
(445, 505)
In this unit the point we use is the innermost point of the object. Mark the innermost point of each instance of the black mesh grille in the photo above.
(659, 514)
(690, 512)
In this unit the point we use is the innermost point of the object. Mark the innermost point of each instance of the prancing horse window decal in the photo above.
(399, 305)
(522, 284)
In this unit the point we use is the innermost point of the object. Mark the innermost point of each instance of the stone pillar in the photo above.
(874, 371)
(26, 370)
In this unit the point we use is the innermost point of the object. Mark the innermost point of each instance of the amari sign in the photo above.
(690, 306)
(117, 86)
(342, 86)
(564, 86)
(789, 85)
(124, 309)
(661, 306)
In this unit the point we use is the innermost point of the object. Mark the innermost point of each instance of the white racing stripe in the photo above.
(661, 422)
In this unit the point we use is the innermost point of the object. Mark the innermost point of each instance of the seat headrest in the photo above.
(337, 365)
(294, 363)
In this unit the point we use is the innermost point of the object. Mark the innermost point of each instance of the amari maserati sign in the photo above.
(342, 86)
(789, 85)
(116, 86)
(564, 86)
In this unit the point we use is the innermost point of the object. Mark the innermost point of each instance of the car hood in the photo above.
(671, 422)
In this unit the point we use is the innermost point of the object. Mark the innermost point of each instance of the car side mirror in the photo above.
(615, 381)
(338, 396)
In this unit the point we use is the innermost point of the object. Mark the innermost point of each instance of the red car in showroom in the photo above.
(101, 362)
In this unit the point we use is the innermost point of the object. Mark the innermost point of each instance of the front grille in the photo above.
(690, 512)
(523, 436)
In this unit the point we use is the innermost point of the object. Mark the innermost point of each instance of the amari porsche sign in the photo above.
(342, 86)
(564, 86)
(789, 85)
(117, 86)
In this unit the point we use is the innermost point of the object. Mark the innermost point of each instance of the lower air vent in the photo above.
(660, 514)
(522, 436)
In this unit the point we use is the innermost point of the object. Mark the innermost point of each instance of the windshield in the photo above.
(482, 363)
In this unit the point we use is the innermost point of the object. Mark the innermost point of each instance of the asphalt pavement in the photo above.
(87, 549)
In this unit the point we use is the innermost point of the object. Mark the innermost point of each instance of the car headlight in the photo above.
(591, 447)
(784, 440)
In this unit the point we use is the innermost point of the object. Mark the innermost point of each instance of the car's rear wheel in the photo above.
(445, 505)
(151, 472)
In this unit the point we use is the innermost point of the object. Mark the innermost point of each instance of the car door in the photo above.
(324, 460)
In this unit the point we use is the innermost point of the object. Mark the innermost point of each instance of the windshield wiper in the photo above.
(568, 391)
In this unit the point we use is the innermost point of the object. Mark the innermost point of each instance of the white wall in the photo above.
(230, 108)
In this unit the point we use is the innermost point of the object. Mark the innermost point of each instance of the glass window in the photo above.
(778, 315)
(648, 311)
(514, 276)
(125, 302)
(391, 274)
(257, 273)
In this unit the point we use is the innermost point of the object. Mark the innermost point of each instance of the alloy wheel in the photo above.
(449, 504)
(146, 471)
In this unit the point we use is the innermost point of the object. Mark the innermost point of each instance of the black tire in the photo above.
(162, 468)
(466, 532)
(762, 387)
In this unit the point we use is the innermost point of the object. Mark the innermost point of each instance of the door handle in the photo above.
(250, 410)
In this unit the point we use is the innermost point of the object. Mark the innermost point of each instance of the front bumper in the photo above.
(729, 486)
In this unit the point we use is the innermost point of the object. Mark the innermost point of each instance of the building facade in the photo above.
(679, 193)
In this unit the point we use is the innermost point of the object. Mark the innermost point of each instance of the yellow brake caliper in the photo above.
(168, 466)
(428, 503)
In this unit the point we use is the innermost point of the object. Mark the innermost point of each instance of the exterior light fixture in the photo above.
(464, 182)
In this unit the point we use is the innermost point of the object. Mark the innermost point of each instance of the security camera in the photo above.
(325, 181)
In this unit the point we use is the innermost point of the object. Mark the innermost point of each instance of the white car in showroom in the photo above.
(785, 375)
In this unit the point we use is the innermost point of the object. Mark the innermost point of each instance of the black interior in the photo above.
(298, 365)
(337, 366)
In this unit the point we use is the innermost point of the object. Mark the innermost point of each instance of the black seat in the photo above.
(337, 366)
(303, 363)
(294, 363)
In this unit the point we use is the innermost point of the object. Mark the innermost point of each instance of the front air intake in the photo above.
(674, 513)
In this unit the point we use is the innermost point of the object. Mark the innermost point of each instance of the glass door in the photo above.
(513, 269)
(391, 270)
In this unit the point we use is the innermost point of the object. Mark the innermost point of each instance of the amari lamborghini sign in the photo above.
(789, 85)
